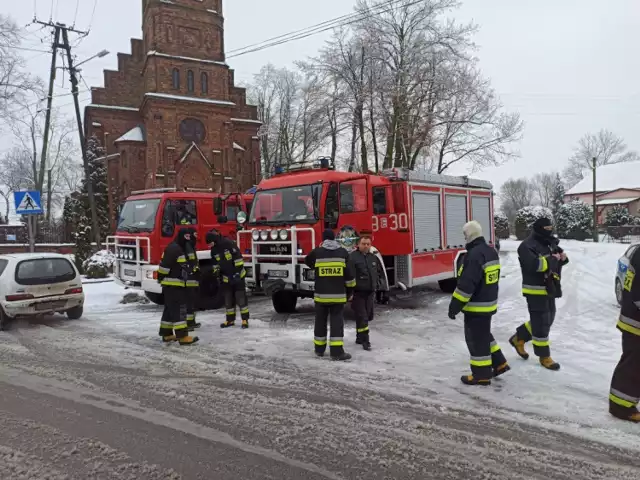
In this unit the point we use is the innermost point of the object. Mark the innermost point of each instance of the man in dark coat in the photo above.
(541, 265)
(193, 279)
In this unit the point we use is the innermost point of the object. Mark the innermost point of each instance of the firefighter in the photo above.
(334, 282)
(541, 262)
(173, 273)
(477, 297)
(366, 268)
(624, 395)
(193, 280)
(228, 261)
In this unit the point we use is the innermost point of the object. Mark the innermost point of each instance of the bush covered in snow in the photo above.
(618, 216)
(99, 265)
(501, 225)
(574, 221)
(527, 216)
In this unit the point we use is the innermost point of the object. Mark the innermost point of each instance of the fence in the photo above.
(46, 234)
(621, 234)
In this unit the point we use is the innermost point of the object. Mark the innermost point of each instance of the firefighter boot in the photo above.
(245, 323)
(471, 380)
(519, 346)
(341, 357)
(227, 323)
(549, 364)
(500, 369)
(169, 338)
(193, 326)
(188, 340)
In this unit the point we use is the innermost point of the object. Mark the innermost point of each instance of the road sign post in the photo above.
(29, 203)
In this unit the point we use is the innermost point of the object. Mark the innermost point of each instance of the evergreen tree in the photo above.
(617, 216)
(574, 221)
(526, 217)
(558, 195)
(501, 225)
(81, 212)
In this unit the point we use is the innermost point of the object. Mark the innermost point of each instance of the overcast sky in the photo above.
(568, 66)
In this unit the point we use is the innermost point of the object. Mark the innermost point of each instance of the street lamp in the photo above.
(100, 54)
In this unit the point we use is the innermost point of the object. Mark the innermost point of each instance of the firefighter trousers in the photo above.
(542, 313)
(484, 351)
(362, 306)
(174, 313)
(625, 384)
(236, 296)
(192, 294)
(335, 314)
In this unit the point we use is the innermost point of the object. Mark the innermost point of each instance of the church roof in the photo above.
(187, 151)
(136, 134)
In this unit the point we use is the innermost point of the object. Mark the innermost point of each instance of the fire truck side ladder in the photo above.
(435, 178)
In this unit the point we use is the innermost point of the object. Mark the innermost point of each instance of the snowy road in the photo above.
(103, 398)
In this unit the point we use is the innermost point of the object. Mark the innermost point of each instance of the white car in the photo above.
(34, 284)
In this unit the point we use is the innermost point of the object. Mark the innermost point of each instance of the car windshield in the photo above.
(43, 271)
(297, 204)
(138, 215)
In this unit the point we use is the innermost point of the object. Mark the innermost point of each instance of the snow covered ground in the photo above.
(419, 352)
(418, 357)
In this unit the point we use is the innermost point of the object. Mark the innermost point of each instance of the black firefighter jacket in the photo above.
(226, 257)
(333, 274)
(540, 270)
(477, 290)
(366, 269)
(630, 311)
(174, 269)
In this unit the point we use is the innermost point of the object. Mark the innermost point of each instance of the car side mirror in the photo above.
(217, 206)
(222, 219)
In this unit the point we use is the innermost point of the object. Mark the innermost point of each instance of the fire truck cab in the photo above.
(150, 219)
(415, 219)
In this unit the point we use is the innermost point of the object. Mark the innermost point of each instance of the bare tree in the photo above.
(544, 186)
(14, 81)
(515, 194)
(605, 146)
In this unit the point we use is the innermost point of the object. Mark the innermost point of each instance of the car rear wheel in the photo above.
(619, 292)
(4, 320)
(75, 313)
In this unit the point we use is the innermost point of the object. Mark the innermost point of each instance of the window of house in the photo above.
(353, 196)
(204, 82)
(175, 78)
(190, 81)
(379, 200)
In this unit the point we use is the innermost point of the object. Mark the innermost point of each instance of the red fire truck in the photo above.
(415, 218)
(150, 219)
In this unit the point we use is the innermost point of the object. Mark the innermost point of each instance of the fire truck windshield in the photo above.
(138, 215)
(281, 206)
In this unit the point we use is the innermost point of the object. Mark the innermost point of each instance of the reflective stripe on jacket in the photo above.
(172, 271)
(629, 320)
(334, 276)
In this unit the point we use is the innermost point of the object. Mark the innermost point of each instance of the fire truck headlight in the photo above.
(255, 235)
(131, 255)
(273, 234)
(120, 253)
(264, 235)
(283, 234)
(299, 251)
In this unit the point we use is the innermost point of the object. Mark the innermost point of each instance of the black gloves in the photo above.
(452, 312)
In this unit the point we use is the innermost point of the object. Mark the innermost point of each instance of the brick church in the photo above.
(171, 116)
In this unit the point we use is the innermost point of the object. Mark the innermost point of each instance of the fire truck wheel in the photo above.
(284, 302)
(156, 298)
(448, 285)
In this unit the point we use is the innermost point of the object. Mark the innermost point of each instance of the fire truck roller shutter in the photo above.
(455, 218)
(481, 212)
(426, 221)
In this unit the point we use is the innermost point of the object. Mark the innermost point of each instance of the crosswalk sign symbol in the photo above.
(27, 203)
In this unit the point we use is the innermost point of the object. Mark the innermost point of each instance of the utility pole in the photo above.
(61, 30)
(596, 236)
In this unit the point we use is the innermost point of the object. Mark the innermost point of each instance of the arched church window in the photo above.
(190, 81)
(204, 80)
(175, 77)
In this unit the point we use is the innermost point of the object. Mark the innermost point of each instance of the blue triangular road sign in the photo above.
(27, 203)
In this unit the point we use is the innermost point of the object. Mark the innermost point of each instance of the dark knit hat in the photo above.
(328, 235)
(212, 237)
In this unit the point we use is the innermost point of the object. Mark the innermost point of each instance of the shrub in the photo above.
(501, 225)
(99, 265)
(527, 216)
(574, 221)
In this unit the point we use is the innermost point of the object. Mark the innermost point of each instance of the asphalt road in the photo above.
(69, 411)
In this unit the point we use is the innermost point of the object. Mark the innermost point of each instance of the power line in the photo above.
(75, 15)
(322, 27)
(93, 13)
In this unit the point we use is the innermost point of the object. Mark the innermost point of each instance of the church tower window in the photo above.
(190, 81)
(175, 77)
(204, 80)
